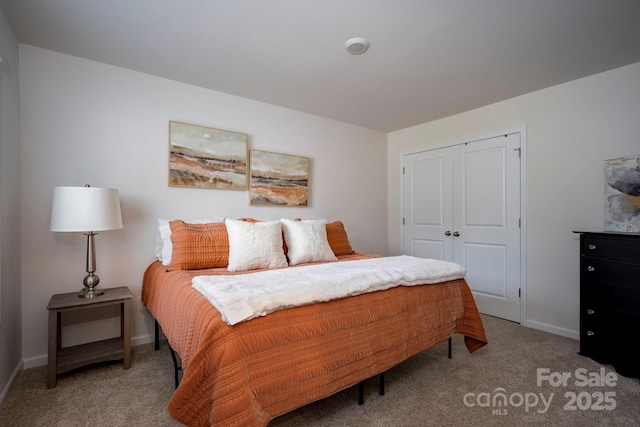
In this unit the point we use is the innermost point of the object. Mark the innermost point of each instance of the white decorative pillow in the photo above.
(164, 247)
(254, 245)
(307, 241)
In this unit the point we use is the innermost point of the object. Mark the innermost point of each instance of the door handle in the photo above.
(456, 234)
(447, 233)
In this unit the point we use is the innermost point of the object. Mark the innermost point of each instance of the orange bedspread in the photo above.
(249, 373)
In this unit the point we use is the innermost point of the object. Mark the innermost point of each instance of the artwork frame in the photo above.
(278, 179)
(207, 157)
(622, 194)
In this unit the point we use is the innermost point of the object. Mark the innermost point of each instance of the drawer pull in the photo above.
(590, 333)
(592, 247)
(590, 311)
(590, 268)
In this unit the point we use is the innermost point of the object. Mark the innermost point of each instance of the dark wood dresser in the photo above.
(610, 299)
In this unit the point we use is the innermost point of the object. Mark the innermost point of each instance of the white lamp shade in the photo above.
(84, 209)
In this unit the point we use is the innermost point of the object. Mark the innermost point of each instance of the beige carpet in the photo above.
(426, 390)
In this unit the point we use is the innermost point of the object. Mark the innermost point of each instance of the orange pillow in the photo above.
(338, 240)
(249, 220)
(198, 246)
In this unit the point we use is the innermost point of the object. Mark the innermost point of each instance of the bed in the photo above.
(253, 371)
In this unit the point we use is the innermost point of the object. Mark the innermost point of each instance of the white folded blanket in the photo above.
(245, 296)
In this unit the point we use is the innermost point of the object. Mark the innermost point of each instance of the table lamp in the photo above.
(86, 210)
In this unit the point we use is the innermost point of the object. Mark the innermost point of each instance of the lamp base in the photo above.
(90, 293)
(91, 280)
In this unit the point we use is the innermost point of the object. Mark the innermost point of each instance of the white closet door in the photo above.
(427, 205)
(462, 204)
(486, 217)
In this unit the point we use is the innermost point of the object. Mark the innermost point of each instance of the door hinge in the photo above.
(519, 222)
(519, 293)
(402, 221)
(403, 170)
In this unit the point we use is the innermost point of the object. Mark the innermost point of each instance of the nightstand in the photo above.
(65, 359)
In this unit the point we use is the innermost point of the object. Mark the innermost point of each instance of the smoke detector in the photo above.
(357, 45)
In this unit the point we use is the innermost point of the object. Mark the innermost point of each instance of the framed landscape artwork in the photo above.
(278, 179)
(205, 157)
(622, 194)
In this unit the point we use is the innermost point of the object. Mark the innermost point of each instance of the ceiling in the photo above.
(428, 59)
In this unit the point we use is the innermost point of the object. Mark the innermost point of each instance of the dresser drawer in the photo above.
(621, 300)
(594, 342)
(589, 300)
(603, 270)
(596, 297)
(614, 248)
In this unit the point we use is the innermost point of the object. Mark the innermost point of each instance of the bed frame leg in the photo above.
(361, 384)
(156, 345)
(361, 389)
(176, 367)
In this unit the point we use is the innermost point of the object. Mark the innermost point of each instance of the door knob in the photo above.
(456, 234)
(447, 233)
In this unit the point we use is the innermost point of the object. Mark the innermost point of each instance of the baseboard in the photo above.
(41, 360)
(569, 333)
(12, 379)
(142, 339)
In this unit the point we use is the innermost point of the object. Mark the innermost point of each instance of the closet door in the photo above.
(462, 204)
(486, 217)
(427, 205)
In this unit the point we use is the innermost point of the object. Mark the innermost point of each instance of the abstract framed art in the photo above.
(622, 194)
(205, 157)
(278, 179)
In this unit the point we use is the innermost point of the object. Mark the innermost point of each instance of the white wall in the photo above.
(87, 122)
(10, 308)
(571, 129)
